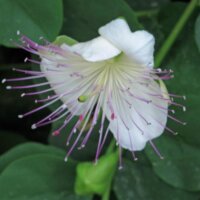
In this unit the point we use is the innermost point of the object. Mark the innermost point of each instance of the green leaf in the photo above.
(168, 20)
(197, 32)
(83, 18)
(52, 196)
(27, 149)
(31, 18)
(136, 181)
(181, 166)
(39, 177)
(184, 60)
(151, 24)
(96, 178)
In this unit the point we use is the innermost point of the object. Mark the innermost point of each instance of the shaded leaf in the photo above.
(32, 18)
(144, 6)
(184, 60)
(82, 18)
(38, 177)
(197, 32)
(27, 149)
(181, 166)
(139, 182)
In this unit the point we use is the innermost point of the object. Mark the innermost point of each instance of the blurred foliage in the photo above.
(36, 171)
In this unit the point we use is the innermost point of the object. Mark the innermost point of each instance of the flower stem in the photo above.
(175, 32)
(110, 149)
(106, 195)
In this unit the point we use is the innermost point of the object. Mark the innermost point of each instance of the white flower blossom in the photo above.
(109, 77)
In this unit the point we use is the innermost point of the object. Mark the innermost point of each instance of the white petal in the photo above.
(97, 49)
(154, 112)
(129, 139)
(141, 48)
(117, 32)
(124, 130)
(139, 45)
(135, 125)
(66, 84)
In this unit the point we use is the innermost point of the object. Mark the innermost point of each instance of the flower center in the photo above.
(114, 59)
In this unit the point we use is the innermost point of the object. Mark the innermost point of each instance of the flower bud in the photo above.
(96, 178)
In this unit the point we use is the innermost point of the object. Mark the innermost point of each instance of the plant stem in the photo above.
(175, 32)
(110, 149)
(106, 195)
